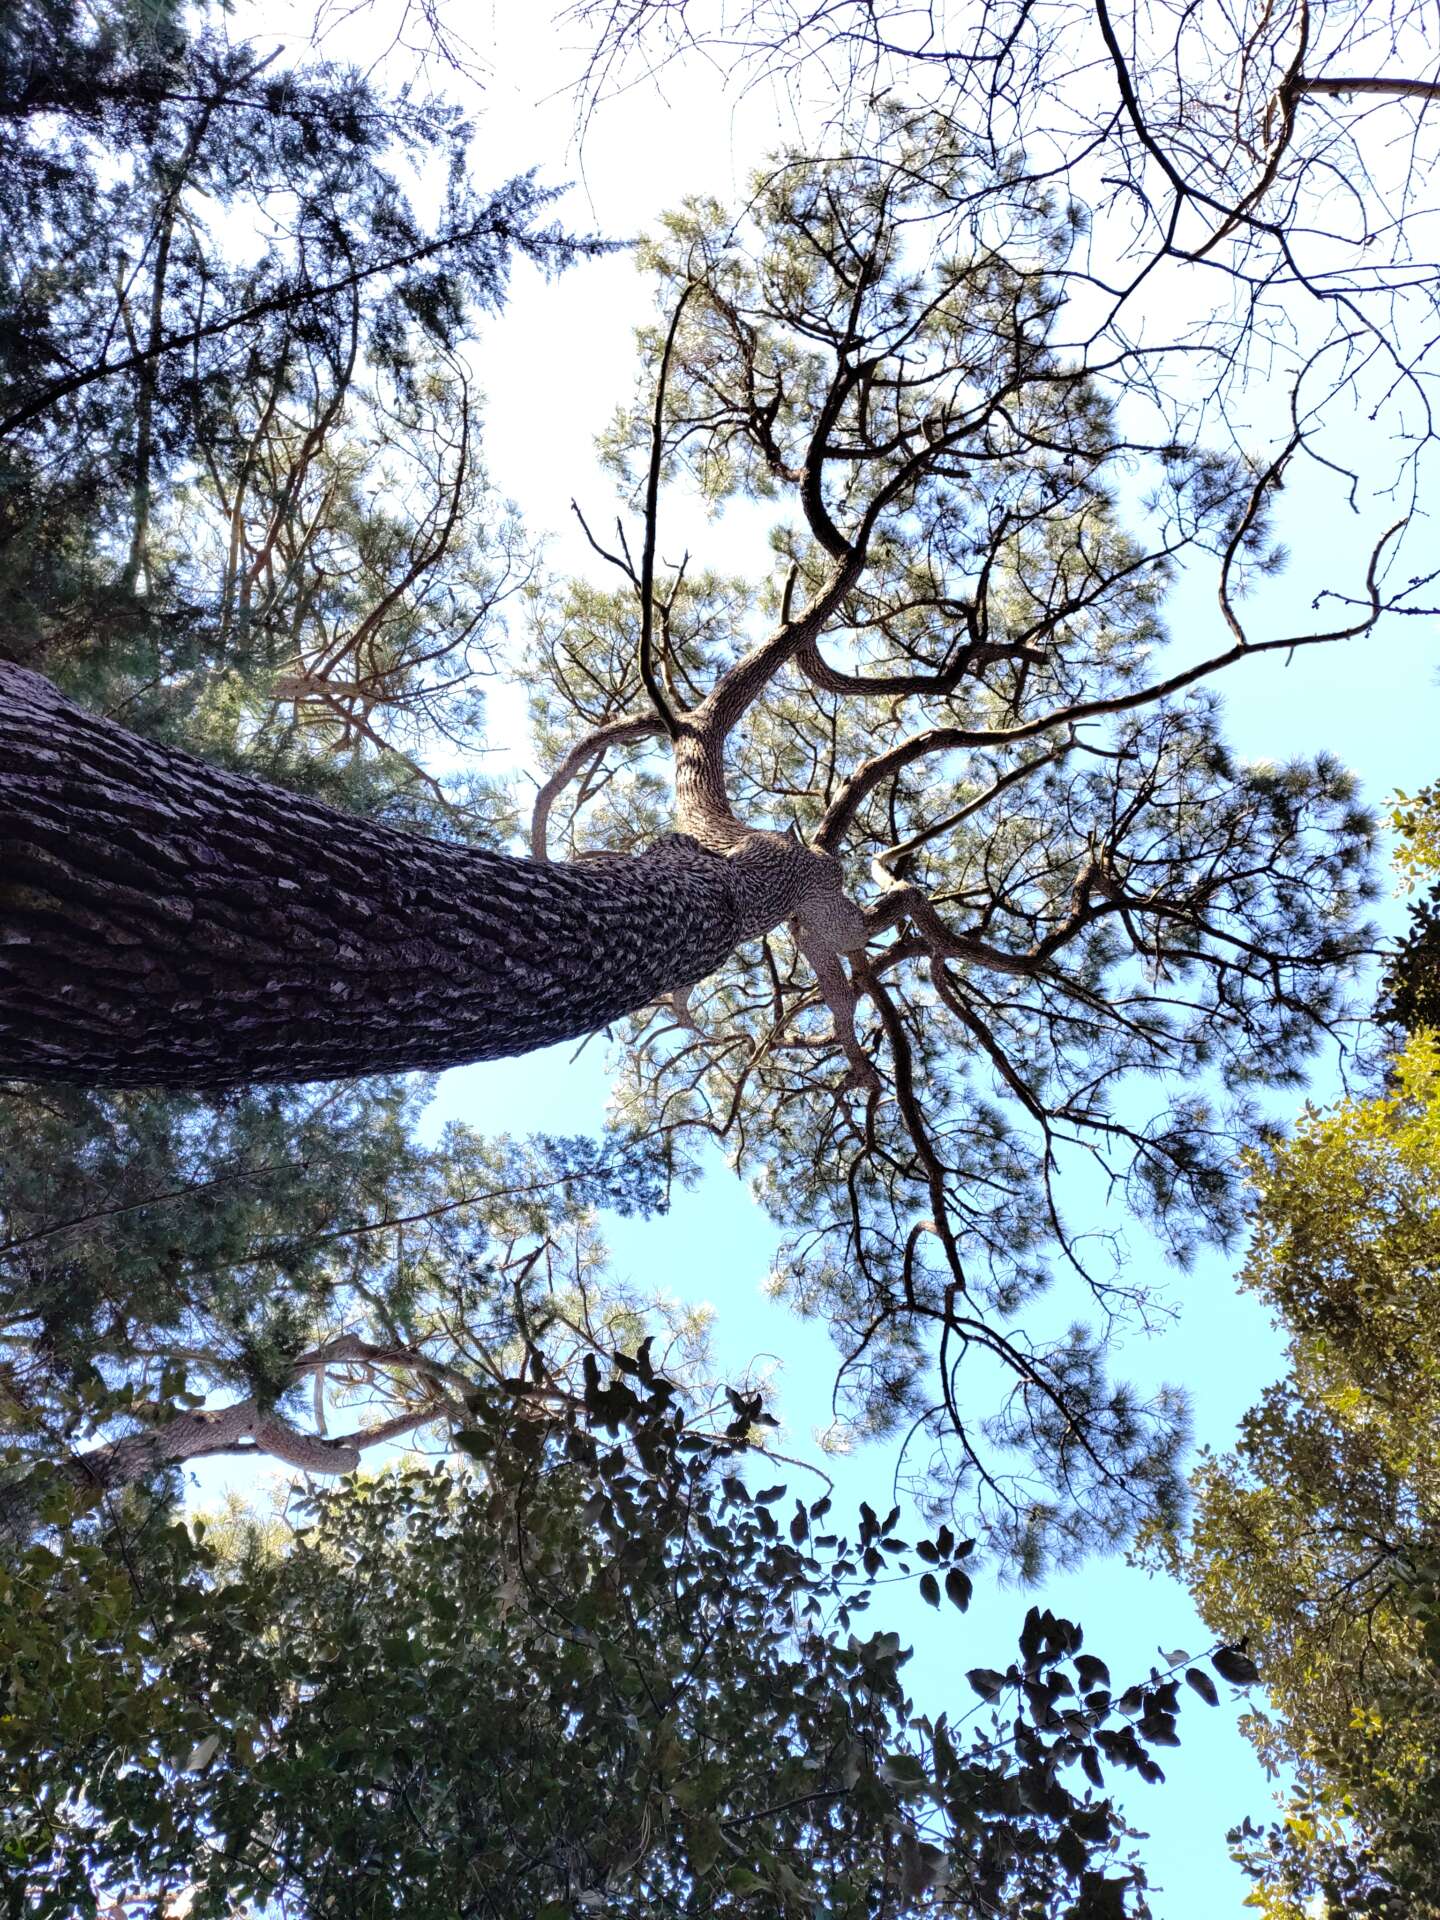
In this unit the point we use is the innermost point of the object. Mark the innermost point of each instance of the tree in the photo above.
(597, 1671)
(1072, 887)
(239, 474)
(189, 113)
(1250, 182)
(1412, 975)
(1316, 1535)
(181, 1280)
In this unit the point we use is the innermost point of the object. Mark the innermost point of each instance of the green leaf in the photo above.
(743, 1880)
(929, 1589)
(705, 1840)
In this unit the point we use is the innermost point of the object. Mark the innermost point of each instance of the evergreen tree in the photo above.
(241, 489)
(961, 869)
(182, 1279)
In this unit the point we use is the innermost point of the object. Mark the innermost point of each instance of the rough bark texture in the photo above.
(193, 1436)
(166, 924)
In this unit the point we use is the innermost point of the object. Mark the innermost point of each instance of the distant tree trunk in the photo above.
(166, 924)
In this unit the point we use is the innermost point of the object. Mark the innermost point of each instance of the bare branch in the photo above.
(584, 754)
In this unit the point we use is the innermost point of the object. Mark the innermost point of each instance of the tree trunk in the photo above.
(166, 924)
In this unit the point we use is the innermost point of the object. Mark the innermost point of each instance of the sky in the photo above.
(553, 367)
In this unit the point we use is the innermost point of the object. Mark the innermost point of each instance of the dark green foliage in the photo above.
(1412, 975)
(598, 1673)
(162, 1253)
(220, 314)
(129, 1215)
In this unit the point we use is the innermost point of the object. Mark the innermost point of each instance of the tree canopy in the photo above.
(1249, 184)
(1023, 879)
(182, 1279)
(242, 490)
(599, 1671)
(1318, 1529)
(973, 897)
(1085, 929)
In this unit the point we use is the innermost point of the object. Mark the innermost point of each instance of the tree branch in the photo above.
(640, 726)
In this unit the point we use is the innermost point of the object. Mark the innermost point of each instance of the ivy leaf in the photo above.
(929, 1589)
(958, 1588)
(986, 1682)
(742, 1880)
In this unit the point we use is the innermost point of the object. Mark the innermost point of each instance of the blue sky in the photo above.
(553, 368)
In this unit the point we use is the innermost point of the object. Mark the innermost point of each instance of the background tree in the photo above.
(242, 485)
(1316, 1534)
(598, 1672)
(1250, 181)
(282, 1274)
(1412, 974)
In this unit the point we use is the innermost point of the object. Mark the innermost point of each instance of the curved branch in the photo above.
(287, 297)
(244, 1428)
(640, 726)
(884, 863)
(820, 673)
(241, 1428)
(941, 941)
(869, 774)
(1396, 89)
(903, 1063)
(648, 676)
(837, 989)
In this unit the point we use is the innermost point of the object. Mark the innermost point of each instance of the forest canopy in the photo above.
(903, 858)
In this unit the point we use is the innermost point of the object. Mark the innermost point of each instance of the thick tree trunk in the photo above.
(165, 924)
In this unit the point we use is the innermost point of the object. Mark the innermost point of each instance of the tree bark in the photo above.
(166, 924)
(195, 1436)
